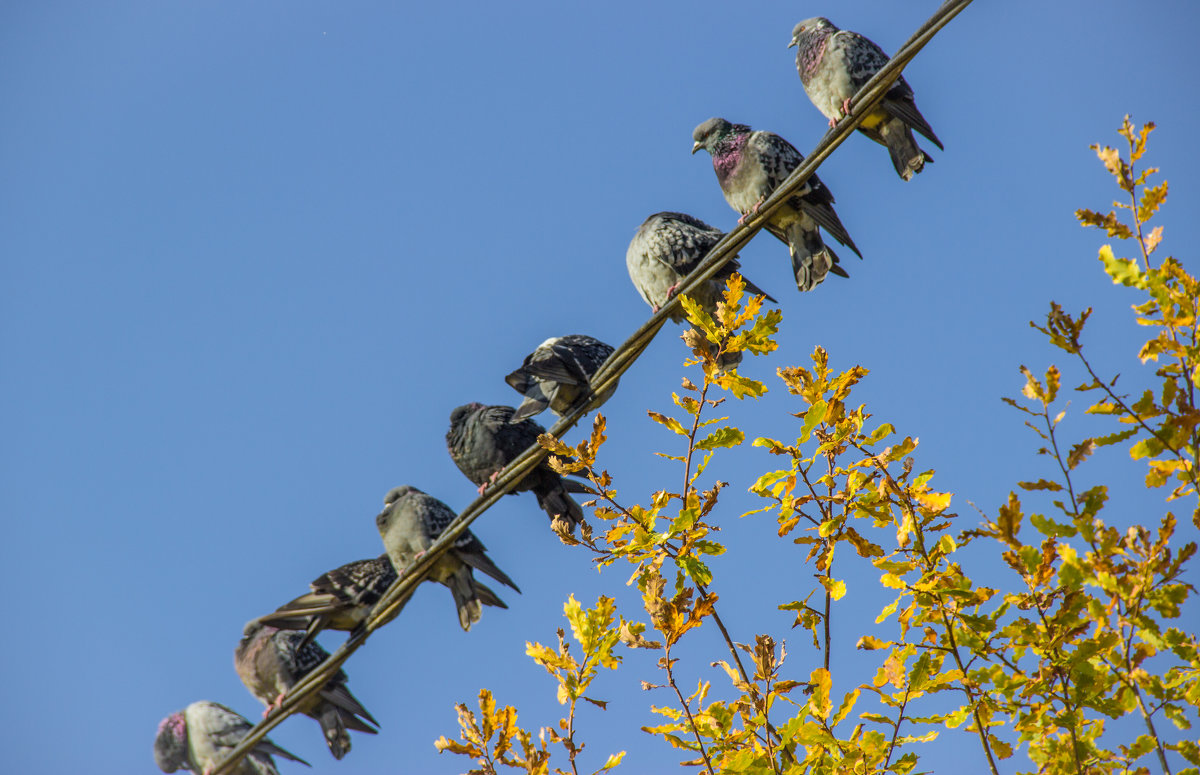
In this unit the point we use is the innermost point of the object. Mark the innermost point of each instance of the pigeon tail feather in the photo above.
(529, 407)
(336, 736)
(907, 156)
(811, 258)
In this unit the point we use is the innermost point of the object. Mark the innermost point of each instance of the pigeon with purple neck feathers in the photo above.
(664, 251)
(749, 166)
(271, 661)
(340, 599)
(482, 440)
(557, 373)
(834, 64)
(411, 522)
(200, 736)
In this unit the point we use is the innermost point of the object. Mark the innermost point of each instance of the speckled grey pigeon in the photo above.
(834, 64)
(557, 374)
(749, 166)
(664, 251)
(201, 735)
(340, 599)
(271, 661)
(410, 523)
(482, 440)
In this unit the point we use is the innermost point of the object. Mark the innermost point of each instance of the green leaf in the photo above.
(696, 569)
(669, 422)
(1123, 271)
(722, 437)
(814, 415)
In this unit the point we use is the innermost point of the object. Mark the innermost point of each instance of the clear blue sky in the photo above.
(253, 253)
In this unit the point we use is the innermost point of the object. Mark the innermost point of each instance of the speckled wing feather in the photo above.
(779, 159)
(341, 599)
(863, 59)
(557, 374)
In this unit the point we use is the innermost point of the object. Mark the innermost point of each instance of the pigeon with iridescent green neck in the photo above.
(749, 166)
(834, 64)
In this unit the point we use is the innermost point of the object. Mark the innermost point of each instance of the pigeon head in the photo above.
(396, 493)
(170, 747)
(713, 135)
(462, 412)
(814, 29)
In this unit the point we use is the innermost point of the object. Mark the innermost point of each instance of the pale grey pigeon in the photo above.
(749, 166)
(410, 523)
(665, 250)
(482, 440)
(557, 374)
(271, 661)
(201, 735)
(834, 64)
(340, 599)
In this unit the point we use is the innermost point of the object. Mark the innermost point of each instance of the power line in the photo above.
(621, 359)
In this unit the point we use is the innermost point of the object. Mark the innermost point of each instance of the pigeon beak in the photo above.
(696, 146)
(792, 44)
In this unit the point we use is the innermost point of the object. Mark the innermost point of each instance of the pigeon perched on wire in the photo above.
(411, 522)
(340, 599)
(557, 374)
(834, 64)
(482, 440)
(201, 736)
(665, 250)
(749, 166)
(271, 661)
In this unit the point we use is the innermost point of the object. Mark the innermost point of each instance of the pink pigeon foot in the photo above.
(846, 106)
(491, 480)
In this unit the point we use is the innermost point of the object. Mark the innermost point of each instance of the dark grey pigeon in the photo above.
(834, 64)
(482, 440)
(749, 166)
(340, 599)
(664, 251)
(410, 523)
(271, 661)
(201, 735)
(557, 374)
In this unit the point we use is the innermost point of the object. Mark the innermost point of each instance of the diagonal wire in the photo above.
(621, 359)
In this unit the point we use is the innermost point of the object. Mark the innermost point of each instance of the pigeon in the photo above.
(271, 661)
(557, 374)
(482, 440)
(749, 166)
(201, 735)
(340, 599)
(664, 251)
(409, 524)
(834, 64)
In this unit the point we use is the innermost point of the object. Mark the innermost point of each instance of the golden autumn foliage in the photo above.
(1086, 630)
